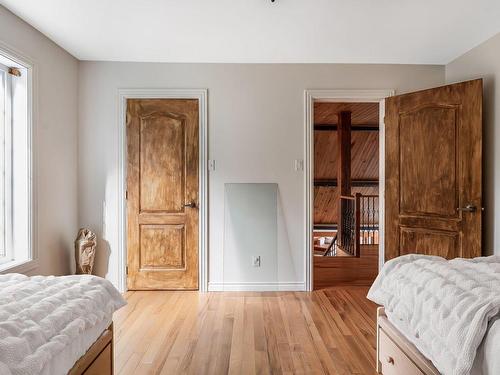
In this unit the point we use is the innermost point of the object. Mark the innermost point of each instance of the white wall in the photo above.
(255, 128)
(484, 62)
(55, 142)
(255, 133)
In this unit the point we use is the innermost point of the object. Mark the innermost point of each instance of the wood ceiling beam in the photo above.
(325, 226)
(344, 150)
(354, 183)
(354, 128)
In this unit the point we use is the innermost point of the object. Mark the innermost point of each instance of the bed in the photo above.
(438, 316)
(57, 325)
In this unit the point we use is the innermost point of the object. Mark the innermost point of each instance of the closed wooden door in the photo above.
(162, 193)
(433, 172)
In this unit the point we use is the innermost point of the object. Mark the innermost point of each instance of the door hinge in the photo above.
(126, 270)
(126, 194)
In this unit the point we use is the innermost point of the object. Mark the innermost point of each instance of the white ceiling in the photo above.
(339, 31)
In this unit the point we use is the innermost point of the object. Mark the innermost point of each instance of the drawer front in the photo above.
(393, 360)
(102, 364)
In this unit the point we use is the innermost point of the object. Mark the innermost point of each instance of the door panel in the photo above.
(433, 170)
(162, 187)
(428, 242)
(162, 247)
(422, 164)
(162, 151)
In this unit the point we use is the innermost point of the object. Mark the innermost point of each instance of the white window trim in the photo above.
(32, 262)
(8, 163)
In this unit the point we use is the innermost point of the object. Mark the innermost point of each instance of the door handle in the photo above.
(190, 205)
(468, 208)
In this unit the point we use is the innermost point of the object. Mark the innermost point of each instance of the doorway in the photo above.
(163, 139)
(430, 171)
(334, 195)
(346, 193)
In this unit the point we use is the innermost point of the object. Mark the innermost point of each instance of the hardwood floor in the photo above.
(330, 331)
(341, 270)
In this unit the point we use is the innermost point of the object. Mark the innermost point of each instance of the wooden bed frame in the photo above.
(395, 354)
(98, 360)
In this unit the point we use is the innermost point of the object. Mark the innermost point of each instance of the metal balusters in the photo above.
(347, 229)
(369, 219)
(358, 223)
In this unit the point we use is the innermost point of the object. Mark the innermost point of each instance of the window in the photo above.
(15, 166)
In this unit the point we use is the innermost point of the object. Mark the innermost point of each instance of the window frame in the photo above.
(9, 255)
(30, 259)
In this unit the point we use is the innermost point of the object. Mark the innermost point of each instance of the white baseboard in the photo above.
(289, 286)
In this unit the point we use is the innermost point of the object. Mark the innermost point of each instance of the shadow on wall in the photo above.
(288, 268)
(64, 254)
(489, 167)
(103, 253)
(101, 217)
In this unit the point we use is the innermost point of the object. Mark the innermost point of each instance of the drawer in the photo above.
(102, 364)
(393, 361)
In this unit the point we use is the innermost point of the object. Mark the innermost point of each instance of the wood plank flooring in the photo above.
(330, 331)
(340, 270)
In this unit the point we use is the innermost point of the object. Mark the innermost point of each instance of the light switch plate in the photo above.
(211, 165)
(298, 165)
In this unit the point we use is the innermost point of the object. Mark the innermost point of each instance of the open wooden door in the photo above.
(433, 172)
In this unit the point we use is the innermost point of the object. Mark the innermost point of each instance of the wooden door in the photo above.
(162, 193)
(433, 172)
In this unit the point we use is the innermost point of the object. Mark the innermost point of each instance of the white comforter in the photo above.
(42, 316)
(441, 306)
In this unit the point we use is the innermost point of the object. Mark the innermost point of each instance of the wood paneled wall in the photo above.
(364, 154)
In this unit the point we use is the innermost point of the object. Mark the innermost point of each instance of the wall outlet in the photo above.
(256, 260)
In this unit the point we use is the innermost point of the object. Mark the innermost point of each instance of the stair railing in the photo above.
(358, 223)
(349, 224)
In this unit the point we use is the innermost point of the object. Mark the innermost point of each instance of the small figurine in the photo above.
(85, 244)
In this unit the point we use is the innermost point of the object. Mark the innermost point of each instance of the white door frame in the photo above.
(310, 96)
(201, 95)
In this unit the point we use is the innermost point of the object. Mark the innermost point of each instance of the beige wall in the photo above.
(55, 143)
(255, 133)
(484, 62)
(255, 127)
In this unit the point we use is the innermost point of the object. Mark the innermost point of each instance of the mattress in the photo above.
(48, 323)
(487, 360)
(446, 308)
(63, 361)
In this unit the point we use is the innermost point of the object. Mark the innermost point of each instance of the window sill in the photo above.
(20, 266)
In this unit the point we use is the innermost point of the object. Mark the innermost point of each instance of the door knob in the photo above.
(468, 208)
(190, 205)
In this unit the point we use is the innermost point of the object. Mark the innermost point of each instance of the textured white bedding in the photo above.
(487, 360)
(445, 308)
(48, 323)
